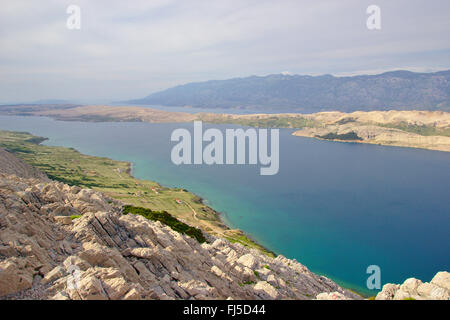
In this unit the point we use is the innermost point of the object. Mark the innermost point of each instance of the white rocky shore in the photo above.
(414, 289)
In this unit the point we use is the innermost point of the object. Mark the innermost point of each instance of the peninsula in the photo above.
(415, 129)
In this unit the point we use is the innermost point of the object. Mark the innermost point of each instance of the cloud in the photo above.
(129, 49)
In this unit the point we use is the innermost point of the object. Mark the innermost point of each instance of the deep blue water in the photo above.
(335, 207)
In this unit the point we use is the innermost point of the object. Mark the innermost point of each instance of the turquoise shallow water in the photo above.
(335, 207)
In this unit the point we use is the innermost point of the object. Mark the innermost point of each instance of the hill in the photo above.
(396, 90)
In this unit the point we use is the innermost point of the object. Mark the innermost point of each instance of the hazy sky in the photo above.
(128, 49)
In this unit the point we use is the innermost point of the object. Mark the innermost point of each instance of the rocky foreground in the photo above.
(44, 254)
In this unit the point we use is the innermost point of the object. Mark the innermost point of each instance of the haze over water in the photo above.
(335, 207)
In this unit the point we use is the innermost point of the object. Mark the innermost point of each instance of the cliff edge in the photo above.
(63, 242)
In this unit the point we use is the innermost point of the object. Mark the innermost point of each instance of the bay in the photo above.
(335, 207)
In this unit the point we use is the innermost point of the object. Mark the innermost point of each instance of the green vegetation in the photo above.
(257, 274)
(167, 219)
(418, 129)
(237, 236)
(267, 122)
(349, 136)
(267, 267)
(409, 298)
(75, 217)
(346, 120)
(102, 174)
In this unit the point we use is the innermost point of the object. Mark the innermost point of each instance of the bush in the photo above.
(346, 136)
(167, 219)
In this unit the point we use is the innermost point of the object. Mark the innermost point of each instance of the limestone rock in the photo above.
(107, 255)
(331, 296)
(63, 220)
(13, 278)
(437, 289)
(266, 290)
(442, 279)
(248, 260)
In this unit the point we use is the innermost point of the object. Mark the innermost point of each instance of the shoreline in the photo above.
(429, 130)
(217, 213)
(265, 250)
(368, 143)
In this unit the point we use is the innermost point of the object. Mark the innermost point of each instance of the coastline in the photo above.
(55, 152)
(370, 143)
(175, 183)
(28, 148)
(375, 143)
(218, 214)
(233, 234)
(116, 179)
(428, 130)
(259, 247)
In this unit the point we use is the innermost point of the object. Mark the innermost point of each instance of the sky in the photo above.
(129, 49)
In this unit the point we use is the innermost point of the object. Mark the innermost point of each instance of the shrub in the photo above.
(346, 136)
(167, 219)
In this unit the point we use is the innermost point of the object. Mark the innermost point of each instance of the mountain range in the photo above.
(394, 90)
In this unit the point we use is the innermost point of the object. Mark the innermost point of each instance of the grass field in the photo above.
(113, 178)
(294, 122)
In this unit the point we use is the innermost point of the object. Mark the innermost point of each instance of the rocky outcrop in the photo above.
(10, 164)
(373, 134)
(415, 129)
(48, 252)
(413, 289)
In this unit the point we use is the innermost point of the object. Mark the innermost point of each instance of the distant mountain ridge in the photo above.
(398, 90)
